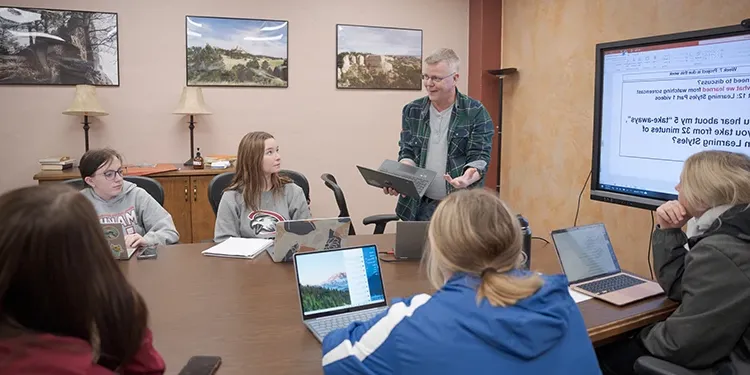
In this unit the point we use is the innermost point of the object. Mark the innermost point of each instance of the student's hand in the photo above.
(469, 177)
(671, 215)
(134, 240)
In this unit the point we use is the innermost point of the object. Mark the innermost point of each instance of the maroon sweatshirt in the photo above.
(57, 355)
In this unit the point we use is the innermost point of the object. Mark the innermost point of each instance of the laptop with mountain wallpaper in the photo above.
(337, 287)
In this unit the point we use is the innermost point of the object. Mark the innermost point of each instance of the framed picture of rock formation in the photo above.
(374, 57)
(41, 46)
(225, 51)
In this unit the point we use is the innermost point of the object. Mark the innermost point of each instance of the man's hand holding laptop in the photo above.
(391, 191)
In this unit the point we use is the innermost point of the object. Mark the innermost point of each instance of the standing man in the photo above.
(445, 131)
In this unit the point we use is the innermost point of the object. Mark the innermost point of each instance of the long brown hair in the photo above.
(58, 275)
(249, 176)
(474, 232)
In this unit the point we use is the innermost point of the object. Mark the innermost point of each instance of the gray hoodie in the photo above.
(235, 219)
(138, 211)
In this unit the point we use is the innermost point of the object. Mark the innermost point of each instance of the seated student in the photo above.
(710, 330)
(146, 222)
(65, 306)
(258, 197)
(487, 317)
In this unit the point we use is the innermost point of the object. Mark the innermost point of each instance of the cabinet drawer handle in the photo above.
(186, 194)
(195, 193)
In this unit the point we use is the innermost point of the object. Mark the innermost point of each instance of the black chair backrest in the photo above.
(300, 180)
(220, 182)
(216, 188)
(331, 183)
(151, 186)
(76, 183)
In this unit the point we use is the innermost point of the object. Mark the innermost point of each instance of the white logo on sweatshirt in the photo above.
(264, 222)
(127, 218)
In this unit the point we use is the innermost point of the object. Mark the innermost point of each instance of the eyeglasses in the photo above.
(435, 79)
(110, 174)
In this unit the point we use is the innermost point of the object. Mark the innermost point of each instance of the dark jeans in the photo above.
(619, 357)
(426, 209)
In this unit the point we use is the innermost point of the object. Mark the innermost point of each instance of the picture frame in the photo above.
(378, 57)
(46, 46)
(236, 52)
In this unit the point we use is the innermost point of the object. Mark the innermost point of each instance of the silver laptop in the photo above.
(115, 234)
(411, 239)
(405, 179)
(294, 236)
(588, 260)
(337, 287)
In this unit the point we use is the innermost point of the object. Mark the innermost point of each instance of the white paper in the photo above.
(578, 297)
(239, 247)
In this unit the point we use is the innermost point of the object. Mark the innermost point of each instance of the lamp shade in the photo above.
(85, 102)
(191, 102)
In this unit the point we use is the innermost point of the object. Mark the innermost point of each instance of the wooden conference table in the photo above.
(247, 311)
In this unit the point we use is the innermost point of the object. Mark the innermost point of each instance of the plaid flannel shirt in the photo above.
(469, 136)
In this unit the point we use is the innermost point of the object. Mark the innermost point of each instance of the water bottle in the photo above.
(526, 230)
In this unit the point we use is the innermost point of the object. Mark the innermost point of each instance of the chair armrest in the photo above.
(380, 221)
(647, 365)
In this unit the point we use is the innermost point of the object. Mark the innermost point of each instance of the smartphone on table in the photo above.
(201, 365)
(147, 252)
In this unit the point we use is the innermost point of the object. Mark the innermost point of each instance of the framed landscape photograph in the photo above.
(374, 57)
(237, 52)
(58, 47)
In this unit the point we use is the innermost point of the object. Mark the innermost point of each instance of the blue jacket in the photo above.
(449, 333)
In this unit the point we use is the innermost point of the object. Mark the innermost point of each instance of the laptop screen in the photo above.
(339, 280)
(585, 252)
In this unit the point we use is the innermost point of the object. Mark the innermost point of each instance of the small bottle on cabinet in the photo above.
(198, 160)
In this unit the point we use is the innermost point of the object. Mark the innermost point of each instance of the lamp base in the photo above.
(188, 163)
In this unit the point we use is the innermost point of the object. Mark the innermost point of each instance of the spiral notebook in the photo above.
(235, 247)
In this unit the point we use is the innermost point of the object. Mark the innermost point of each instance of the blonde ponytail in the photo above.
(505, 290)
(474, 232)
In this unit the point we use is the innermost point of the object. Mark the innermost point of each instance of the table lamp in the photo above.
(191, 103)
(85, 104)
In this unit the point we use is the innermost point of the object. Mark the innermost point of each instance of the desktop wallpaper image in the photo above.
(323, 281)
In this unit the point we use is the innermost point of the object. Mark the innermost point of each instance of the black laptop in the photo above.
(405, 179)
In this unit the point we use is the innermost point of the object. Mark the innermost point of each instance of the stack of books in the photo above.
(57, 163)
(219, 161)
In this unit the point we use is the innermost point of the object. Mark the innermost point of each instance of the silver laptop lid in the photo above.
(308, 235)
(338, 281)
(411, 239)
(585, 252)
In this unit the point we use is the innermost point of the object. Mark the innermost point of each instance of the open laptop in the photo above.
(294, 236)
(411, 238)
(405, 179)
(337, 287)
(588, 260)
(115, 234)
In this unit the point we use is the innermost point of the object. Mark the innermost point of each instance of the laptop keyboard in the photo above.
(611, 284)
(323, 326)
(420, 184)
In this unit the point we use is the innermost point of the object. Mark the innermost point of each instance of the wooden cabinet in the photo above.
(185, 198)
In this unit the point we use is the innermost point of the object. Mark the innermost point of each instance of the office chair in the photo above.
(220, 182)
(216, 188)
(647, 365)
(151, 186)
(299, 179)
(380, 221)
(76, 183)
